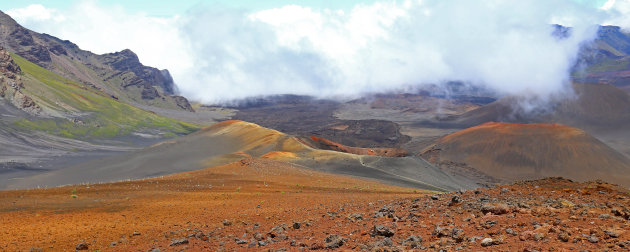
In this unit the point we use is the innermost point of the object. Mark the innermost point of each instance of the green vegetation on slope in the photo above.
(95, 114)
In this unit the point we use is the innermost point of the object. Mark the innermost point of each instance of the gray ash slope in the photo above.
(221, 144)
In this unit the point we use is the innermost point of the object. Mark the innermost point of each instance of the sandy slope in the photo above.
(512, 151)
(231, 141)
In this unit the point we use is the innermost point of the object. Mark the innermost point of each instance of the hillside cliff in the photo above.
(118, 74)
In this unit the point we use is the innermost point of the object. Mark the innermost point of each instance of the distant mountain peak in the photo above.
(120, 74)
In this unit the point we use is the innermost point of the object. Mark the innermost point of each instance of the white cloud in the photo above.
(36, 13)
(218, 54)
(108, 29)
(618, 13)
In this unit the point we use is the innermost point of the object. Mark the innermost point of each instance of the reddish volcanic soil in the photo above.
(260, 204)
(151, 213)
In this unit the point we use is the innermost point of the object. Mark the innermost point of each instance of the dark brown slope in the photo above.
(602, 110)
(119, 74)
(511, 151)
(306, 116)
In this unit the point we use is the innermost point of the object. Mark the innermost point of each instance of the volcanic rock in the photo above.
(334, 241)
(179, 242)
(381, 230)
(82, 246)
(495, 208)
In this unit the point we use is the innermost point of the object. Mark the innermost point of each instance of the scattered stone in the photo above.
(386, 242)
(381, 230)
(612, 233)
(201, 236)
(262, 243)
(441, 232)
(624, 213)
(563, 236)
(240, 241)
(334, 241)
(135, 233)
(259, 236)
(604, 216)
(82, 246)
(278, 233)
(458, 235)
(495, 208)
(414, 241)
(297, 225)
(356, 217)
(227, 223)
(454, 200)
(511, 231)
(179, 242)
(593, 239)
(505, 190)
(487, 242)
(435, 197)
(489, 224)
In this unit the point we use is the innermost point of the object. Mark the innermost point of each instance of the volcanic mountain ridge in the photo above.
(119, 74)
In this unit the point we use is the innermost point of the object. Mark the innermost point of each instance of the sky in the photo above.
(179, 7)
(222, 50)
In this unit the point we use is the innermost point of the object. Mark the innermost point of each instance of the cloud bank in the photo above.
(217, 54)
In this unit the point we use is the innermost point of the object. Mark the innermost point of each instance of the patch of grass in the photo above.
(609, 65)
(104, 117)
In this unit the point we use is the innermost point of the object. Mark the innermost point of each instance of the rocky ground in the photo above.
(259, 204)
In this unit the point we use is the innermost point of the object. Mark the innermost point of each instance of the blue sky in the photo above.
(175, 7)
